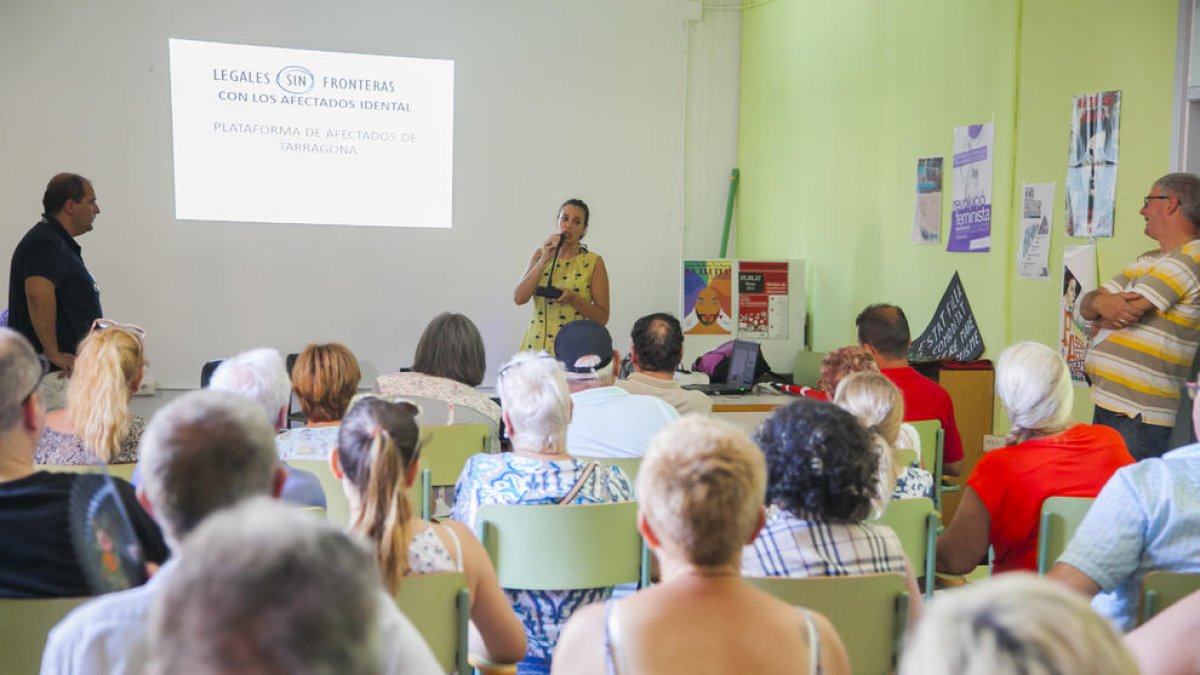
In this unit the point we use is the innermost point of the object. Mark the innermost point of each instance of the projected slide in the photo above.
(273, 135)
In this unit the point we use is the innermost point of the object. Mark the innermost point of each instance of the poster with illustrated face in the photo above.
(708, 297)
(1078, 279)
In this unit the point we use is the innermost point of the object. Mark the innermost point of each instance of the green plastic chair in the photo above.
(933, 441)
(439, 605)
(337, 509)
(24, 625)
(1160, 590)
(559, 548)
(806, 369)
(916, 522)
(1060, 518)
(445, 450)
(629, 465)
(870, 613)
(118, 470)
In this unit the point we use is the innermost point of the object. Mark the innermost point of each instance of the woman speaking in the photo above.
(566, 281)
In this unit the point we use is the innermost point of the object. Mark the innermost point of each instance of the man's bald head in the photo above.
(884, 328)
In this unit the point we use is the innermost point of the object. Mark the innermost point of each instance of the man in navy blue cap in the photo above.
(607, 421)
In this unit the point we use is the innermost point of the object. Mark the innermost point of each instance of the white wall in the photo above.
(554, 99)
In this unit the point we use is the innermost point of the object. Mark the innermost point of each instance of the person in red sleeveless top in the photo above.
(1048, 455)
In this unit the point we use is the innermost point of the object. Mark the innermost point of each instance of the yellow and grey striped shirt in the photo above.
(1140, 370)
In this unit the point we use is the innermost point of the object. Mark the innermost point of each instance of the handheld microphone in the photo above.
(549, 291)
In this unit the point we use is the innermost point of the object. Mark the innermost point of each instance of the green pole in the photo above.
(733, 186)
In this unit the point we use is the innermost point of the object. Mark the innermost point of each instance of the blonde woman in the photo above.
(1015, 624)
(879, 407)
(97, 425)
(703, 483)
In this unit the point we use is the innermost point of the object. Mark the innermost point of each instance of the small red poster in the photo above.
(763, 300)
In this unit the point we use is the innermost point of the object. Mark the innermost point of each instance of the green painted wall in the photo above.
(840, 97)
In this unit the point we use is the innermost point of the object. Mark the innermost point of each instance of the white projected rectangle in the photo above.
(271, 135)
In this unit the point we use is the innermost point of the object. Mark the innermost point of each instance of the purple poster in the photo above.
(971, 193)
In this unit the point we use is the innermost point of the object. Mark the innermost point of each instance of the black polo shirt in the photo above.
(49, 251)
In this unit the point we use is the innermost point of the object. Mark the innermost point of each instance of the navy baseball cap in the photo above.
(583, 346)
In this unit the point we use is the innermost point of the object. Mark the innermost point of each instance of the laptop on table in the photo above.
(740, 379)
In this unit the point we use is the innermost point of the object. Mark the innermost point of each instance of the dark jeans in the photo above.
(1143, 440)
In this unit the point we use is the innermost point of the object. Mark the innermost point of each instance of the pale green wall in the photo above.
(840, 97)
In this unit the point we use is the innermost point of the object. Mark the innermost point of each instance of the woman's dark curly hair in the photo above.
(820, 461)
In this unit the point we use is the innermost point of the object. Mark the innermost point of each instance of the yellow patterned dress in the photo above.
(574, 274)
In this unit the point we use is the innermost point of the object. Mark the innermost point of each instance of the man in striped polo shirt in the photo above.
(1147, 322)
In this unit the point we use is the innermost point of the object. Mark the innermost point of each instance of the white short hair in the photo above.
(534, 394)
(205, 451)
(1014, 624)
(259, 375)
(1034, 385)
(266, 588)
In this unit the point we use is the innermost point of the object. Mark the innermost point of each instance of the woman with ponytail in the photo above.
(376, 460)
(879, 407)
(97, 425)
(1048, 455)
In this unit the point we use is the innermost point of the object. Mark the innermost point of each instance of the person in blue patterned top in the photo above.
(537, 408)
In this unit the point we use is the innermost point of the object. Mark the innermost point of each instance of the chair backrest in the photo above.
(207, 370)
(337, 509)
(445, 449)
(806, 369)
(932, 442)
(439, 605)
(1060, 518)
(118, 470)
(552, 547)
(916, 522)
(24, 625)
(869, 612)
(1160, 590)
(629, 465)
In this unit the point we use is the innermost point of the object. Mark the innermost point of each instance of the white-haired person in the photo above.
(539, 470)
(376, 460)
(1014, 624)
(702, 483)
(822, 491)
(97, 425)
(1048, 454)
(261, 588)
(879, 407)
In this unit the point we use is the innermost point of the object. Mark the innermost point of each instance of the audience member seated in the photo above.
(822, 480)
(37, 559)
(261, 376)
(537, 408)
(606, 420)
(376, 459)
(97, 425)
(655, 354)
(703, 483)
(1145, 519)
(883, 331)
(325, 378)
(879, 407)
(1048, 455)
(204, 452)
(843, 361)
(447, 367)
(1016, 624)
(261, 588)
(1166, 644)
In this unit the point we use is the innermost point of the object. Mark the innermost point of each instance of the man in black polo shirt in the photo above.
(52, 298)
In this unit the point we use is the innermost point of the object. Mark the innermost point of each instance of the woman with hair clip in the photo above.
(578, 274)
(97, 425)
(879, 407)
(1048, 454)
(376, 460)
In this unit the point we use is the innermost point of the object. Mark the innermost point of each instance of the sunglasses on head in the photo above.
(136, 332)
